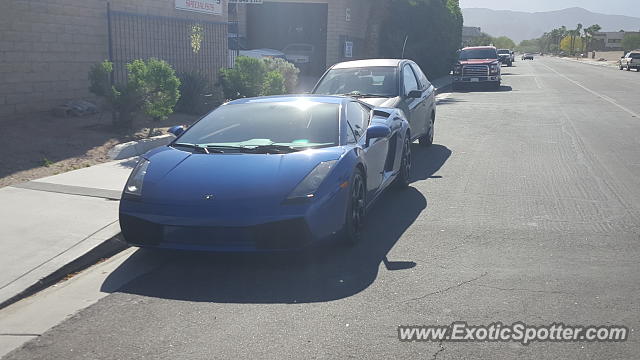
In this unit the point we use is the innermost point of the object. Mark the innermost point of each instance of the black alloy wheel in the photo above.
(356, 209)
(404, 177)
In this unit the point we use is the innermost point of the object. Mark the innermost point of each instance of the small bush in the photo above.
(246, 79)
(257, 77)
(289, 72)
(157, 84)
(194, 88)
(274, 84)
(151, 87)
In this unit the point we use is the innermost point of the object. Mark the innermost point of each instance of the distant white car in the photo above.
(299, 53)
(237, 47)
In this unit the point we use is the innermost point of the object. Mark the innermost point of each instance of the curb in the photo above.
(136, 148)
(104, 250)
(442, 89)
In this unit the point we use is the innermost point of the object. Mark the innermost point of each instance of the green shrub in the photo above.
(245, 79)
(273, 84)
(194, 89)
(258, 77)
(288, 71)
(156, 82)
(151, 87)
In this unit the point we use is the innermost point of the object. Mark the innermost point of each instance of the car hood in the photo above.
(234, 181)
(382, 101)
(478, 62)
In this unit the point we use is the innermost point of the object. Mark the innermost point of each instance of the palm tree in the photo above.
(588, 35)
(562, 33)
(575, 34)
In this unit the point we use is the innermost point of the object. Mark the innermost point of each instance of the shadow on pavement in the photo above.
(448, 101)
(324, 273)
(482, 88)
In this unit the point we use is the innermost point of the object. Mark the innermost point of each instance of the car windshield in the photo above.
(501, 51)
(478, 54)
(635, 56)
(301, 124)
(375, 81)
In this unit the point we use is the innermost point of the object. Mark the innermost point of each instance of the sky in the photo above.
(613, 7)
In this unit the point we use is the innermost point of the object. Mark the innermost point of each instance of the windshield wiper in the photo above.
(273, 148)
(203, 149)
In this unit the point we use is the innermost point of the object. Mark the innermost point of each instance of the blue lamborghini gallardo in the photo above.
(267, 174)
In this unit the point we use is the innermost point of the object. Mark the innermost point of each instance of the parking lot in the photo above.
(526, 208)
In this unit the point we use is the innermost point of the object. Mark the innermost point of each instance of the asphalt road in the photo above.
(527, 209)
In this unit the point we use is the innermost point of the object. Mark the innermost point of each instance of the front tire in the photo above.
(356, 209)
(403, 179)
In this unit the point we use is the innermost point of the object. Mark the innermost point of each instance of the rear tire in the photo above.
(356, 209)
(427, 139)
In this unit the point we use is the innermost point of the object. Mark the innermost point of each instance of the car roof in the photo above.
(369, 63)
(326, 99)
(479, 47)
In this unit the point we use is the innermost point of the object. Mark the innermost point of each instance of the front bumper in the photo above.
(467, 79)
(288, 228)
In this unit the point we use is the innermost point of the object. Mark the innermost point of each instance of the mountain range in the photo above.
(520, 26)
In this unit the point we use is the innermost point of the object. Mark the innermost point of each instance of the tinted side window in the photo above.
(422, 78)
(357, 118)
(410, 82)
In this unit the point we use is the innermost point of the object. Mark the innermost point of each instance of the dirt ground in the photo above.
(40, 145)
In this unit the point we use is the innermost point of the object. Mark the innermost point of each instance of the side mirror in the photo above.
(176, 130)
(414, 94)
(377, 131)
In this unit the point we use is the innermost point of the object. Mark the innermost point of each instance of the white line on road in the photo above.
(603, 97)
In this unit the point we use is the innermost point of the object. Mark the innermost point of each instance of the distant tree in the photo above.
(483, 40)
(631, 42)
(575, 35)
(503, 42)
(529, 46)
(432, 28)
(570, 43)
(589, 32)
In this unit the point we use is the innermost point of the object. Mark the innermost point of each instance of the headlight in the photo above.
(494, 68)
(312, 182)
(457, 70)
(134, 184)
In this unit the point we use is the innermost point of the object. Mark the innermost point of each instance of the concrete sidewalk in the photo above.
(50, 222)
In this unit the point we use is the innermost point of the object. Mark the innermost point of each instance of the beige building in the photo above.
(48, 46)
